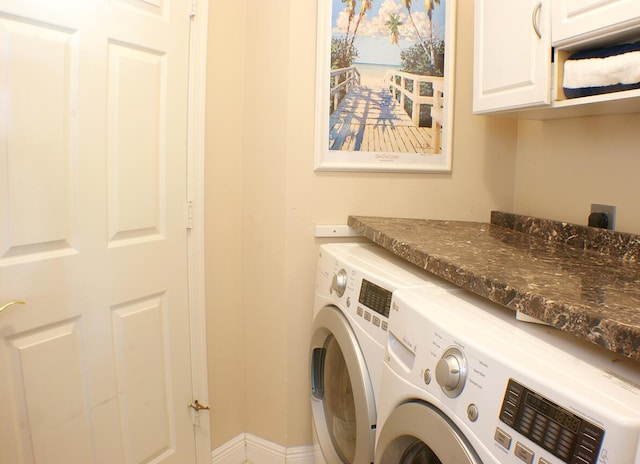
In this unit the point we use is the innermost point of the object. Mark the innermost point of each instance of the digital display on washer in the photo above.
(550, 410)
(375, 297)
(559, 431)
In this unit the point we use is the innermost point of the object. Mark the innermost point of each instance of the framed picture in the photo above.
(384, 84)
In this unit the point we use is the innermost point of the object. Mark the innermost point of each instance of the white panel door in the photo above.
(95, 367)
(512, 55)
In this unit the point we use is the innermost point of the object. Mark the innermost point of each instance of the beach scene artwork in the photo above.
(387, 89)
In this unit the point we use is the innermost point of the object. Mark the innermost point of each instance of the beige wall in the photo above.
(263, 199)
(564, 166)
(225, 70)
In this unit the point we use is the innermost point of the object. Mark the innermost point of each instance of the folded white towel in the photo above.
(600, 72)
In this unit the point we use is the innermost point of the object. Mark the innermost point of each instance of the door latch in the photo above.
(197, 406)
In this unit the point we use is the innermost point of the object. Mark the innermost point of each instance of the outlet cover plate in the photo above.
(610, 212)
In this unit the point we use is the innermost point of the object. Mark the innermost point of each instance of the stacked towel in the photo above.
(604, 70)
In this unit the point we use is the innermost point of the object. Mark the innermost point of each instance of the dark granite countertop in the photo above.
(579, 279)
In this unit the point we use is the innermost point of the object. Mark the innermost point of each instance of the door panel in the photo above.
(95, 368)
(35, 206)
(141, 370)
(135, 113)
(55, 409)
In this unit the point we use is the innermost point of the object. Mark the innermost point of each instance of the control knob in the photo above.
(451, 372)
(339, 282)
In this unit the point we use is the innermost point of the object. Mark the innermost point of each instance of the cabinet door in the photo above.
(577, 21)
(512, 55)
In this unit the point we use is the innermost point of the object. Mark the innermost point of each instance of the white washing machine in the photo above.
(354, 286)
(464, 382)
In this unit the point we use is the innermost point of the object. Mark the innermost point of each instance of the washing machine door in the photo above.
(418, 433)
(342, 400)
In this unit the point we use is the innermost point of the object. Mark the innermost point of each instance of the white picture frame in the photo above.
(359, 121)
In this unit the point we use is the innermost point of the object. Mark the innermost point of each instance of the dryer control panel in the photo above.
(559, 431)
(375, 297)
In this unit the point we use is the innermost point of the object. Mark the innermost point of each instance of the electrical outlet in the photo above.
(609, 210)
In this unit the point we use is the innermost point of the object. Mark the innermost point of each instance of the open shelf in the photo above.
(624, 102)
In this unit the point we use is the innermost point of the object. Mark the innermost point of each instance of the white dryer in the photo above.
(354, 286)
(464, 382)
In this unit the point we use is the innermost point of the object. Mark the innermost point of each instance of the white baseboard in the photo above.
(231, 452)
(248, 448)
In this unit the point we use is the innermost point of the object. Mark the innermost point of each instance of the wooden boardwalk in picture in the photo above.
(370, 119)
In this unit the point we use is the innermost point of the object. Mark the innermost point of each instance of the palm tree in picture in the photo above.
(343, 51)
(407, 5)
(393, 24)
(429, 5)
(364, 7)
(347, 47)
(352, 30)
(351, 12)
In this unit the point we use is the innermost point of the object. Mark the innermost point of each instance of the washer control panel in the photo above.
(549, 425)
(451, 371)
(339, 282)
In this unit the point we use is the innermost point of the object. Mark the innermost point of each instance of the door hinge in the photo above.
(192, 9)
(196, 407)
(189, 218)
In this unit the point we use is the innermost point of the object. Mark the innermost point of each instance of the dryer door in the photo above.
(342, 401)
(418, 433)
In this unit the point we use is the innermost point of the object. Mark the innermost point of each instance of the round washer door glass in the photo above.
(418, 433)
(339, 405)
(419, 453)
(342, 401)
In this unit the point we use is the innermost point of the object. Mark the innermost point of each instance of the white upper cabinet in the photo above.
(578, 21)
(514, 73)
(512, 55)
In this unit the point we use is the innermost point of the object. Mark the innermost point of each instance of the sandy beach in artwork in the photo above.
(372, 75)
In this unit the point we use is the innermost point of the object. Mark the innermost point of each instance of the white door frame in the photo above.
(196, 213)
